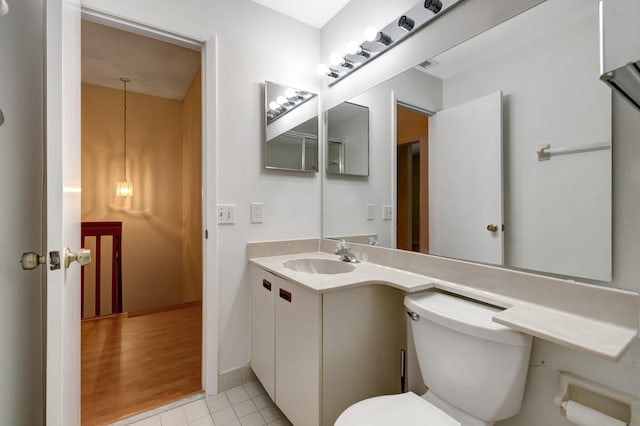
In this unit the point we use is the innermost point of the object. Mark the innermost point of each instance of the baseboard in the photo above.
(235, 377)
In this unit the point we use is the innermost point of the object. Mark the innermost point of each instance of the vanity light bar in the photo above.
(377, 42)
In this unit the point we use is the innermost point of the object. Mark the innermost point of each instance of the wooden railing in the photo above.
(99, 230)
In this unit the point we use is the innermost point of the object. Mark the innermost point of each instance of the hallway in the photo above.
(131, 364)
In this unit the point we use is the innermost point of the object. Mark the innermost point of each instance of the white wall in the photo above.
(21, 144)
(254, 44)
(551, 97)
(345, 198)
(547, 358)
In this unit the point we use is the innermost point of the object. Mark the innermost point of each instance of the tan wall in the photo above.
(152, 241)
(192, 192)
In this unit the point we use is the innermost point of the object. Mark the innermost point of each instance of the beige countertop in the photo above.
(602, 338)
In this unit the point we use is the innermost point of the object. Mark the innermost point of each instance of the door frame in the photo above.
(393, 154)
(208, 63)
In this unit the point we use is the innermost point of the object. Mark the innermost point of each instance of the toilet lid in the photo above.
(405, 409)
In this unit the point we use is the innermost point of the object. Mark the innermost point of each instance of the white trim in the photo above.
(394, 167)
(98, 16)
(208, 49)
(210, 293)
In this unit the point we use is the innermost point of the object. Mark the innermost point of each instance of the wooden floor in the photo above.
(131, 365)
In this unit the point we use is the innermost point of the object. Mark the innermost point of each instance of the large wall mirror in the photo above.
(291, 128)
(495, 151)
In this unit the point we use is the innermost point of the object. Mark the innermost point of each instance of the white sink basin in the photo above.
(319, 266)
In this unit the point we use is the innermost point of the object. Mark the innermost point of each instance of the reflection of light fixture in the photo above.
(365, 53)
(406, 23)
(378, 40)
(283, 99)
(346, 63)
(322, 69)
(290, 93)
(370, 33)
(124, 188)
(333, 73)
(352, 48)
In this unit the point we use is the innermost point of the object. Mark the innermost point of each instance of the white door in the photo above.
(62, 104)
(21, 145)
(465, 181)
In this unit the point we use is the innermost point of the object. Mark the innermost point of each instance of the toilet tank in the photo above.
(466, 359)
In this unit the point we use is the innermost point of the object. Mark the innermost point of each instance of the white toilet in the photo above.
(475, 369)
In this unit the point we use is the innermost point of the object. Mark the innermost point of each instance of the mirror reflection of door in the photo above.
(412, 225)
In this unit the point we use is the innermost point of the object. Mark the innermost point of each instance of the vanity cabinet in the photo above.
(318, 353)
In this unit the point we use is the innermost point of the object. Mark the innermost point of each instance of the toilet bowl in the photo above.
(405, 409)
(475, 369)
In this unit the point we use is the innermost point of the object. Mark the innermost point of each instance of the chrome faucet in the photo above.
(345, 252)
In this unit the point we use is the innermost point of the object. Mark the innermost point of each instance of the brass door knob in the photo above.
(83, 257)
(32, 260)
(492, 227)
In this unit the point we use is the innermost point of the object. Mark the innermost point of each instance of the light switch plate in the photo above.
(257, 210)
(371, 211)
(226, 214)
(387, 212)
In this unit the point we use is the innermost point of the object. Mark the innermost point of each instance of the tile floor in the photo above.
(246, 405)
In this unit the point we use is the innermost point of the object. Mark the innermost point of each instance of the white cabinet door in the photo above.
(263, 351)
(298, 353)
(465, 181)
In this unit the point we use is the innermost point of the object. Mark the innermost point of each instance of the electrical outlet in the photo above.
(371, 211)
(257, 209)
(226, 214)
(387, 212)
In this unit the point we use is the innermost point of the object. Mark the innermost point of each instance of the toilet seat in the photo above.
(405, 409)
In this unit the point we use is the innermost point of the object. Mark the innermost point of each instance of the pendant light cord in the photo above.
(124, 162)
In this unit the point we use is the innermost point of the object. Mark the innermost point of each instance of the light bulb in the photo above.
(281, 100)
(4, 7)
(322, 69)
(353, 48)
(290, 93)
(370, 34)
(336, 59)
(124, 189)
(274, 106)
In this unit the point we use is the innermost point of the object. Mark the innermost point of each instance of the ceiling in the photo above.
(312, 12)
(155, 67)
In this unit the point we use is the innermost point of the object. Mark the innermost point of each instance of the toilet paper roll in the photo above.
(582, 415)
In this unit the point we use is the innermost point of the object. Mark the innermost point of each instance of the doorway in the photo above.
(142, 297)
(412, 168)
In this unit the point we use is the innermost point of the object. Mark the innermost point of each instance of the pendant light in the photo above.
(124, 188)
